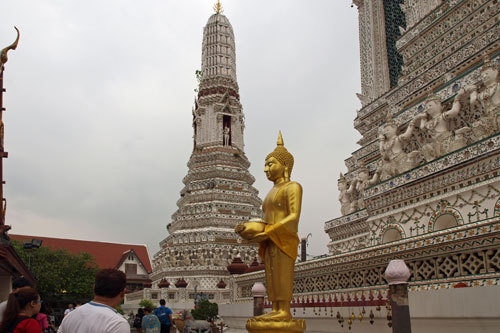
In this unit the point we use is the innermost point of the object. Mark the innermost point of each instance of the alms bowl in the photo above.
(249, 229)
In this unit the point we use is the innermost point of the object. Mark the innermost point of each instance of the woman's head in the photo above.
(25, 301)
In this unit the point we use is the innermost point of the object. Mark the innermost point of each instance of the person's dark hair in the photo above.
(162, 302)
(21, 282)
(45, 309)
(140, 312)
(17, 301)
(109, 282)
(148, 309)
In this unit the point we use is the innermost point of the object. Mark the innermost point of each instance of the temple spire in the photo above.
(218, 8)
(280, 140)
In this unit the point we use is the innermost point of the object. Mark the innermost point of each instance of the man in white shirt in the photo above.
(99, 315)
(69, 309)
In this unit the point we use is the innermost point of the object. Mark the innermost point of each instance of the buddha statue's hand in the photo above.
(239, 228)
(260, 237)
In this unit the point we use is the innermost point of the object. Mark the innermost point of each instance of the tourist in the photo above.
(21, 306)
(69, 309)
(43, 320)
(150, 322)
(164, 315)
(100, 315)
(138, 319)
(16, 284)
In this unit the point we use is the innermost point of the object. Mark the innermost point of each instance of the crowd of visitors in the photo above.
(149, 320)
(24, 311)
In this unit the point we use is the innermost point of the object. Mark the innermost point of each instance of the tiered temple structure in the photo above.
(429, 123)
(425, 184)
(218, 192)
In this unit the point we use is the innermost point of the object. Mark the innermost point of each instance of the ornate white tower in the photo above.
(218, 192)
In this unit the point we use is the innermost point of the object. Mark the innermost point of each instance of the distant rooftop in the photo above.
(106, 255)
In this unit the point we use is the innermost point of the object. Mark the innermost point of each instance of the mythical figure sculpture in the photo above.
(278, 242)
(394, 160)
(186, 260)
(346, 195)
(227, 131)
(172, 258)
(363, 180)
(486, 96)
(435, 123)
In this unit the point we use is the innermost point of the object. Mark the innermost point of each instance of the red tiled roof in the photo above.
(107, 255)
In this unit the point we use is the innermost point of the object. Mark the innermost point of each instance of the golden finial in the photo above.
(280, 140)
(3, 54)
(218, 8)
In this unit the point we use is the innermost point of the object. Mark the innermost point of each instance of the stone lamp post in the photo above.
(397, 275)
(258, 293)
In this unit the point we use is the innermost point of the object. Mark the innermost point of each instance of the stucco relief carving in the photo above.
(415, 10)
(351, 192)
(485, 98)
(435, 124)
(374, 70)
(393, 157)
(346, 195)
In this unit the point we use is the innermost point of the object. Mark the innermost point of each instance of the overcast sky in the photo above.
(99, 97)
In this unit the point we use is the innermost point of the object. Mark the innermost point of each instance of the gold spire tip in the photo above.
(218, 8)
(280, 140)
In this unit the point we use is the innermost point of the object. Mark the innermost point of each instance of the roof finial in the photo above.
(280, 140)
(218, 8)
(3, 53)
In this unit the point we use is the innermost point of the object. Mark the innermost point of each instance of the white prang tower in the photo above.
(218, 192)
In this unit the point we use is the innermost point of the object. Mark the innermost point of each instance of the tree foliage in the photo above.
(119, 309)
(60, 274)
(205, 310)
(145, 303)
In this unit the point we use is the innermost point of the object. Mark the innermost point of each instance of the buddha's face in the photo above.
(274, 169)
(489, 75)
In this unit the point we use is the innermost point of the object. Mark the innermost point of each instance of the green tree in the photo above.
(119, 309)
(60, 274)
(145, 303)
(205, 310)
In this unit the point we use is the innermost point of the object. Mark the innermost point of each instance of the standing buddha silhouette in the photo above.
(278, 242)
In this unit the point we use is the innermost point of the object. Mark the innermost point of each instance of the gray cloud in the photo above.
(99, 98)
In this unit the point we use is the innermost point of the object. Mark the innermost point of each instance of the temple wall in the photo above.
(459, 310)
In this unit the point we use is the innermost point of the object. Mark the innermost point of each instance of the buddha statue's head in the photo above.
(279, 163)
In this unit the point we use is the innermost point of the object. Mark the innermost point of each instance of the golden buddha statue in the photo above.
(278, 242)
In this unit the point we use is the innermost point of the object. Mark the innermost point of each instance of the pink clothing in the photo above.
(42, 320)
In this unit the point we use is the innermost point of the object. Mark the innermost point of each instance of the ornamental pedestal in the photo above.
(264, 325)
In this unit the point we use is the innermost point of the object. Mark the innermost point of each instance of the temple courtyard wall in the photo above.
(458, 310)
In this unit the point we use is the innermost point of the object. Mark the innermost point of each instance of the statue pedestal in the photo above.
(256, 325)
